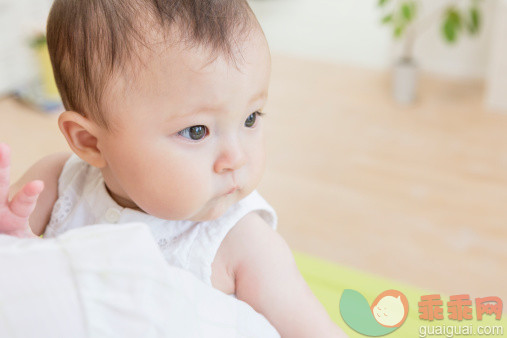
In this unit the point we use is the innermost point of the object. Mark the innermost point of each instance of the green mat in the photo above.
(328, 280)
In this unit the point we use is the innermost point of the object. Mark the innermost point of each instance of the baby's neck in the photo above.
(124, 202)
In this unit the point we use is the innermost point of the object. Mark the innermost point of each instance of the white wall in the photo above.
(348, 31)
(345, 31)
(337, 30)
(497, 71)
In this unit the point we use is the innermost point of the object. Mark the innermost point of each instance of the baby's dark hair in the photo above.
(91, 41)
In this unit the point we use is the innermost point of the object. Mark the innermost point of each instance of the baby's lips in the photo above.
(230, 191)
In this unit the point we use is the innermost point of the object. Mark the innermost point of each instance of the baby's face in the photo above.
(187, 142)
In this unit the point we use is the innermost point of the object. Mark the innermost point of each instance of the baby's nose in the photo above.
(231, 157)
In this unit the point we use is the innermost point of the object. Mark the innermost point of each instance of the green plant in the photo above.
(402, 18)
(38, 40)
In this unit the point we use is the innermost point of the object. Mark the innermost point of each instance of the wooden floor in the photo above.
(416, 194)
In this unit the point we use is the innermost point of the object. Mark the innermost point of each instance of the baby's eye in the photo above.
(194, 133)
(250, 121)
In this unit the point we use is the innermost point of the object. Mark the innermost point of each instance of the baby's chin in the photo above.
(211, 211)
(218, 209)
(201, 216)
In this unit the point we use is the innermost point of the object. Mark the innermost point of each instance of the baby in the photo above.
(164, 103)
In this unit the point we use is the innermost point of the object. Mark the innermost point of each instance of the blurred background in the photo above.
(387, 131)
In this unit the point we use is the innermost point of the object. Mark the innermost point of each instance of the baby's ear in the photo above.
(81, 134)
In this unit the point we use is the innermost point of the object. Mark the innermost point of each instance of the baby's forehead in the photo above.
(198, 64)
(190, 76)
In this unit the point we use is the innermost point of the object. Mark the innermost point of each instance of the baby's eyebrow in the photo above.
(212, 108)
(260, 96)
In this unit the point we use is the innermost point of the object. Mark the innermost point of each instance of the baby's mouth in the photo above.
(231, 191)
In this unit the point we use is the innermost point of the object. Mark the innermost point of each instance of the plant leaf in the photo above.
(38, 40)
(398, 31)
(475, 21)
(454, 18)
(449, 31)
(406, 11)
(388, 18)
(382, 3)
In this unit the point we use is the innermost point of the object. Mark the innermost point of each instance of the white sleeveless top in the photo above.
(83, 200)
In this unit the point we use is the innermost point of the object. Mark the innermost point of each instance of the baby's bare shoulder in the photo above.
(247, 236)
(267, 278)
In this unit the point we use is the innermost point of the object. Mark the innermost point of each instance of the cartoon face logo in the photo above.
(385, 315)
(390, 308)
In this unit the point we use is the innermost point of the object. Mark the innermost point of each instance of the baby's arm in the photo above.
(24, 209)
(267, 278)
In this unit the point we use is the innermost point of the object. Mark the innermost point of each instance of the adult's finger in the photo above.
(5, 162)
(24, 201)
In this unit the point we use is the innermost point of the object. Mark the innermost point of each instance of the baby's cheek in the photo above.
(258, 165)
(188, 189)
